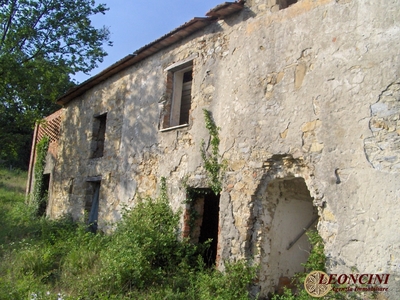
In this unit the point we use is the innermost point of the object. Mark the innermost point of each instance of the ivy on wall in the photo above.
(211, 159)
(164, 192)
(39, 196)
(214, 168)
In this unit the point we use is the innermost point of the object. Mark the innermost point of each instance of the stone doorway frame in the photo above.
(277, 168)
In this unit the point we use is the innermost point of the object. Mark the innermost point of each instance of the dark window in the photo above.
(99, 131)
(286, 3)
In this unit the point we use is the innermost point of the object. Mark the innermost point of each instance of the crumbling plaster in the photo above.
(295, 89)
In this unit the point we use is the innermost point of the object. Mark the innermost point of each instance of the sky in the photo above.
(136, 23)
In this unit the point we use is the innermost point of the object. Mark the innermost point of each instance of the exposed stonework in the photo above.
(307, 101)
(383, 148)
(282, 207)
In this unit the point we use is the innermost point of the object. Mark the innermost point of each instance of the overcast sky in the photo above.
(135, 23)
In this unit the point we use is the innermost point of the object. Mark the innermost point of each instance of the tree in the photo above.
(42, 43)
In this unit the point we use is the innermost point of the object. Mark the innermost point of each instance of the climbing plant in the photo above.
(213, 166)
(39, 195)
(211, 159)
(163, 190)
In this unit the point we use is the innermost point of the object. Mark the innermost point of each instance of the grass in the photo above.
(14, 217)
(13, 180)
(142, 259)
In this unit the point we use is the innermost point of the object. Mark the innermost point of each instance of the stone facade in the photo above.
(307, 101)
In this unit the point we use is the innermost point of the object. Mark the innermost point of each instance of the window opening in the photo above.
(205, 226)
(186, 98)
(99, 131)
(286, 3)
(92, 206)
(179, 91)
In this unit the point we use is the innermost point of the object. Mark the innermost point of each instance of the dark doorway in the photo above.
(44, 195)
(209, 226)
(92, 205)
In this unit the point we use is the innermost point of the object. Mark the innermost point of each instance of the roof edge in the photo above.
(219, 12)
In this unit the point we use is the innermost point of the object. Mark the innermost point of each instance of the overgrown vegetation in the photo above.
(213, 166)
(212, 160)
(38, 199)
(142, 259)
(316, 262)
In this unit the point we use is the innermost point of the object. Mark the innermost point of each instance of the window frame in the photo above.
(172, 109)
(176, 105)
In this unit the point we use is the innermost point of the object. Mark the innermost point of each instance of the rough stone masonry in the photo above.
(307, 98)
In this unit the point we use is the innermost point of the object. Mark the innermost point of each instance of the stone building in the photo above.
(307, 98)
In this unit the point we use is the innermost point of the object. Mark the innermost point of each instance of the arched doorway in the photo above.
(288, 212)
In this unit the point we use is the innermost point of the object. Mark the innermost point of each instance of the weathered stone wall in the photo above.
(310, 91)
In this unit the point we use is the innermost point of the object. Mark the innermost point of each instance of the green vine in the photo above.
(39, 195)
(211, 159)
(163, 190)
(214, 169)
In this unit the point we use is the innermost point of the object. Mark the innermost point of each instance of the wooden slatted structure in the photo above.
(50, 126)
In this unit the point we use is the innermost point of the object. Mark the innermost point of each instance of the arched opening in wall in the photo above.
(201, 222)
(291, 212)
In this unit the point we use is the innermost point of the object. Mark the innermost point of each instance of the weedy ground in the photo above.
(142, 259)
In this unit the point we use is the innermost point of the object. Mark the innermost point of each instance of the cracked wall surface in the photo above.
(310, 91)
(383, 147)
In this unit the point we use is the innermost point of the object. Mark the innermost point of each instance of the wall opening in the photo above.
(204, 227)
(186, 97)
(286, 3)
(44, 195)
(178, 95)
(289, 212)
(99, 131)
(92, 205)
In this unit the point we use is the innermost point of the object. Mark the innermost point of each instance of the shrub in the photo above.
(142, 259)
